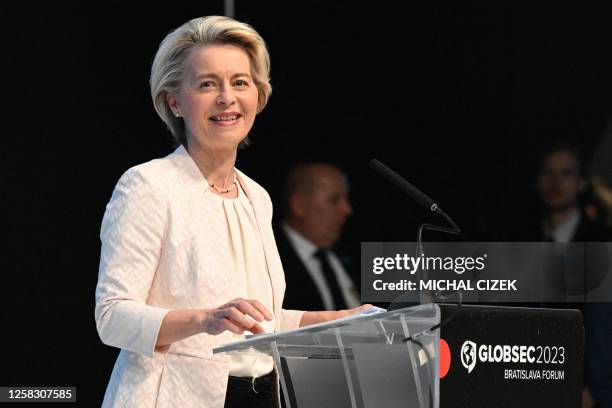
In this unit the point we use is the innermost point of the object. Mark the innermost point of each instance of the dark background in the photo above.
(456, 98)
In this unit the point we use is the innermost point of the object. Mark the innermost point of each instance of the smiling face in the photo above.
(217, 98)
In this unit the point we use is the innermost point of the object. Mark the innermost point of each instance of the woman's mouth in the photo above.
(225, 118)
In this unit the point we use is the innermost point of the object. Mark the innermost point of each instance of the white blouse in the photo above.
(252, 277)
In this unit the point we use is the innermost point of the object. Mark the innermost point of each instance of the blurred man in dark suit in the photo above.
(560, 183)
(316, 206)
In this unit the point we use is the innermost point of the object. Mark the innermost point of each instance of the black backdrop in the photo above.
(454, 97)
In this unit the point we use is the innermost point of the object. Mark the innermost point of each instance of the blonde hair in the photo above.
(169, 63)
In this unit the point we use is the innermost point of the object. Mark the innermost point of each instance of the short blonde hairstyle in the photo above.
(169, 63)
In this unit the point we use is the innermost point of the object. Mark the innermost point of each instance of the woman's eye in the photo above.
(241, 82)
(207, 84)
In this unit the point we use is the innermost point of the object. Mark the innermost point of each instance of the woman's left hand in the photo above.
(309, 318)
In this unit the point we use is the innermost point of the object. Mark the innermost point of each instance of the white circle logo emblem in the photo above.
(468, 355)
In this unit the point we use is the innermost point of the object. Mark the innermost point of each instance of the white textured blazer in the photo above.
(162, 250)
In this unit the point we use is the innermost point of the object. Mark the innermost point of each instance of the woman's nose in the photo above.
(226, 97)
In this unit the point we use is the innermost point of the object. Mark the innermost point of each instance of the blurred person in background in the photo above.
(316, 207)
(561, 185)
(567, 214)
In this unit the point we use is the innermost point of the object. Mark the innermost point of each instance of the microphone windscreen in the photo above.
(401, 183)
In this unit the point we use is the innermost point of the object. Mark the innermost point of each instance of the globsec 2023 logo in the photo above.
(471, 353)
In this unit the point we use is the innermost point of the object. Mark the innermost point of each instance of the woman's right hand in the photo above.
(237, 316)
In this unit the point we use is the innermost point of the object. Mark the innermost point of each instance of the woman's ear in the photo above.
(173, 103)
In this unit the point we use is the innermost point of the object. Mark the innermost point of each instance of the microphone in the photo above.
(421, 198)
(417, 195)
(401, 183)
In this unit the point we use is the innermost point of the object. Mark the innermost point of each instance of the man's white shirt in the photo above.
(565, 231)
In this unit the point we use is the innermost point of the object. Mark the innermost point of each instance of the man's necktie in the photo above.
(330, 277)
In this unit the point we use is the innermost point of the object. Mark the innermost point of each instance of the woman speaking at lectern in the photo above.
(188, 259)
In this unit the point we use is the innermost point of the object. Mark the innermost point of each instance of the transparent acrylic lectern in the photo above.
(360, 361)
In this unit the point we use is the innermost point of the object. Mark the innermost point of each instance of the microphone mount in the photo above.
(426, 202)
